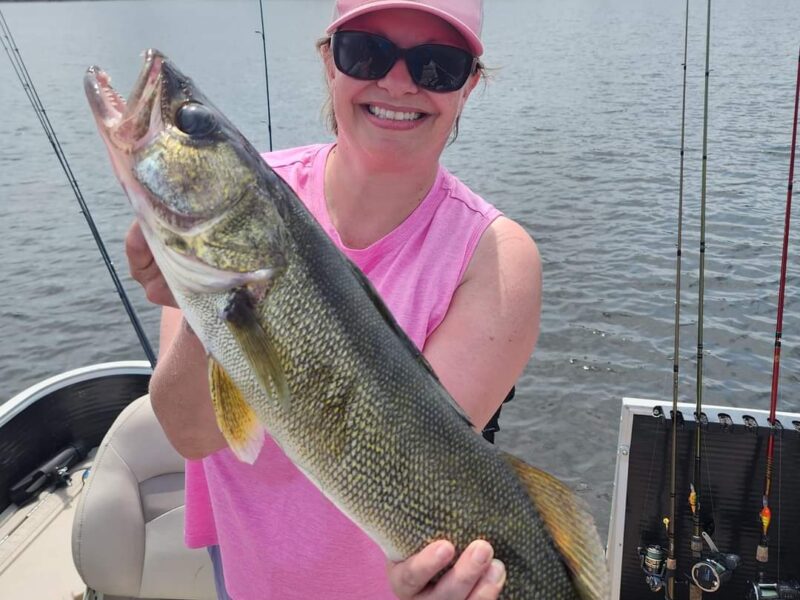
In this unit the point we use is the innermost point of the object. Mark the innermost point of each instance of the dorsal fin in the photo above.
(571, 526)
(384, 311)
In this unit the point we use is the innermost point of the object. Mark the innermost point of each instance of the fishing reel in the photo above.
(653, 560)
(781, 590)
(714, 568)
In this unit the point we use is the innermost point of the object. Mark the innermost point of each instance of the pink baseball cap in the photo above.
(465, 15)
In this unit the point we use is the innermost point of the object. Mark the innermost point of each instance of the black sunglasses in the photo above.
(435, 67)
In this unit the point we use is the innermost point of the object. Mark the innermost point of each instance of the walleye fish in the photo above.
(301, 346)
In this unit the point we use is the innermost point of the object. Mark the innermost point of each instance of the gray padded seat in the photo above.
(127, 537)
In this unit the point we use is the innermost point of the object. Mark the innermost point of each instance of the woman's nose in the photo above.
(398, 80)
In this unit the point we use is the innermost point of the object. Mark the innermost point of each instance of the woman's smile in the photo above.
(389, 117)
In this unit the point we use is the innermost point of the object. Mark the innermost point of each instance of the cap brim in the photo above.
(473, 41)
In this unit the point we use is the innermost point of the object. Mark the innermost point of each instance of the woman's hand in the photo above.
(475, 576)
(144, 269)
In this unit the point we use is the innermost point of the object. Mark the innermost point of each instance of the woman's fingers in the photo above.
(466, 579)
(491, 583)
(137, 250)
(144, 269)
(475, 575)
(409, 577)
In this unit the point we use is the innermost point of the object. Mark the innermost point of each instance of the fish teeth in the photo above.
(111, 95)
(392, 115)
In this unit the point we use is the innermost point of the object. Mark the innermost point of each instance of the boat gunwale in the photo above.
(29, 396)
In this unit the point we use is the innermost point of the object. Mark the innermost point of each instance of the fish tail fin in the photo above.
(571, 526)
(236, 420)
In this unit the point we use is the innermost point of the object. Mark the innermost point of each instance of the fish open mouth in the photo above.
(127, 126)
(125, 123)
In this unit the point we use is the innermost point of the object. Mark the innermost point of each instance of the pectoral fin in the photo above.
(571, 527)
(236, 420)
(240, 316)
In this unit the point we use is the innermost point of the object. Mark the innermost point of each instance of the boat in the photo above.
(91, 493)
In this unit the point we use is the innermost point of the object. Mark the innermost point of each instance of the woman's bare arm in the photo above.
(179, 390)
(490, 330)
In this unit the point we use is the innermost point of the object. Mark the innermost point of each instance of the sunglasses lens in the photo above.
(435, 67)
(439, 68)
(363, 55)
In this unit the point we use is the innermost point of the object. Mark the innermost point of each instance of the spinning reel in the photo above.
(714, 568)
(654, 564)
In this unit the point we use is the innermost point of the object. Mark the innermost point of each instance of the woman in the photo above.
(462, 280)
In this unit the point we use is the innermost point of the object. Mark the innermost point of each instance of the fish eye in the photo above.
(195, 119)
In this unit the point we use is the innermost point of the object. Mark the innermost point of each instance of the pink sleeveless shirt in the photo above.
(279, 537)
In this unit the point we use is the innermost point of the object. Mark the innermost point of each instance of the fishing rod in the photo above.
(710, 569)
(266, 71)
(659, 572)
(762, 550)
(15, 57)
(696, 543)
(672, 563)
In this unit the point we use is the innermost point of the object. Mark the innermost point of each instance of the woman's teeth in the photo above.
(391, 115)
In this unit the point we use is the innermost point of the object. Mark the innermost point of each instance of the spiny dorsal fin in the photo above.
(571, 527)
(384, 311)
(240, 316)
(235, 419)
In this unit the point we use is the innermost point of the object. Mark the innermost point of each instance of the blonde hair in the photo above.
(329, 115)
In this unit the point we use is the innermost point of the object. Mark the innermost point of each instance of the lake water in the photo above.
(576, 136)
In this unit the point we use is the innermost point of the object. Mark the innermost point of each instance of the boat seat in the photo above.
(127, 537)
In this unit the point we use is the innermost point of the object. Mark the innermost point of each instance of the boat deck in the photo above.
(35, 546)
